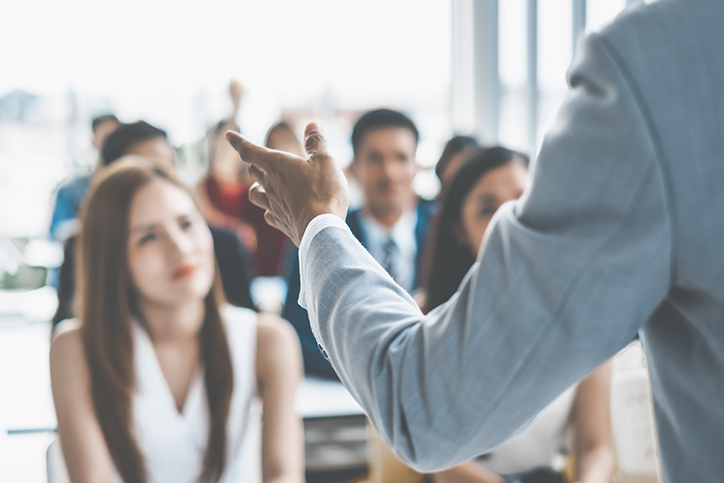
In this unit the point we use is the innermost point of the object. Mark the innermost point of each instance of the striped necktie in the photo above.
(388, 260)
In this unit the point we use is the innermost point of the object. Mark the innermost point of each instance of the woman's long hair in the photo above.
(106, 308)
(448, 260)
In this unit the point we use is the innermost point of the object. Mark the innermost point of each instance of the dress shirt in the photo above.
(403, 234)
(620, 229)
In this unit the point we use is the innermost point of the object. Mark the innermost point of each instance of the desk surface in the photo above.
(318, 398)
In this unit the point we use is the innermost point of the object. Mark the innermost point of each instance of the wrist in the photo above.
(315, 213)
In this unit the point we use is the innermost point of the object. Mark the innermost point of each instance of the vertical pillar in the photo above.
(532, 70)
(462, 84)
(485, 70)
(579, 23)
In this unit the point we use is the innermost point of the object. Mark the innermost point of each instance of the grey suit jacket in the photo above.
(621, 229)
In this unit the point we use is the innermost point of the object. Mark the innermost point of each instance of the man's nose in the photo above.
(390, 169)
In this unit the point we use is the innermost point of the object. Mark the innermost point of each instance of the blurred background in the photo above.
(170, 64)
(488, 68)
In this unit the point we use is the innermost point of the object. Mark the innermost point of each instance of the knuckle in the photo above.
(313, 139)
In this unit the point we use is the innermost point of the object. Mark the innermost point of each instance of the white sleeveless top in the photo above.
(173, 443)
(544, 442)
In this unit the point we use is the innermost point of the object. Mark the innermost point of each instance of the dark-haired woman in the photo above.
(223, 198)
(155, 380)
(222, 193)
(537, 454)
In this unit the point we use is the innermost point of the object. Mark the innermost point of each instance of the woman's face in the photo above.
(502, 184)
(170, 250)
(283, 140)
(227, 164)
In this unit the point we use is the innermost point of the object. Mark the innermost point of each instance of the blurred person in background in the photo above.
(70, 194)
(392, 224)
(156, 378)
(142, 139)
(282, 138)
(139, 138)
(222, 197)
(538, 454)
(222, 192)
(456, 152)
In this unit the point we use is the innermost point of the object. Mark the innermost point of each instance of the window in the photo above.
(170, 63)
(533, 43)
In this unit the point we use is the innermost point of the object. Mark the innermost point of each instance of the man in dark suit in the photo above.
(392, 224)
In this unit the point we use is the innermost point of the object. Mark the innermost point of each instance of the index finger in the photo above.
(250, 152)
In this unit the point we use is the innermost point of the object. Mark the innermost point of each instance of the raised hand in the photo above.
(236, 91)
(293, 190)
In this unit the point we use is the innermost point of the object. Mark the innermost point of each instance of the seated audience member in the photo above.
(70, 195)
(282, 138)
(222, 195)
(143, 139)
(155, 379)
(457, 150)
(392, 223)
(537, 454)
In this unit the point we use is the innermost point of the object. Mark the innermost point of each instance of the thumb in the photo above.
(314, 142)
(249, 152)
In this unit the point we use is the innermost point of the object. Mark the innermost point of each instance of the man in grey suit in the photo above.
(621, 229)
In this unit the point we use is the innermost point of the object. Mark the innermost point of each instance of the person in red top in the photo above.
(222, 196)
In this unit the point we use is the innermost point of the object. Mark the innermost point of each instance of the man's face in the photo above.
(385, 166)
(158, 148)
(102, 131)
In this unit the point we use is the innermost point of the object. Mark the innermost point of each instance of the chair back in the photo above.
(57, 472)
(632, 417)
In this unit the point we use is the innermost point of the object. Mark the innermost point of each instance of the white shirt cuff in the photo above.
(315, 226)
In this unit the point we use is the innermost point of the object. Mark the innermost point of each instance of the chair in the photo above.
(57, 472)
(632, 419)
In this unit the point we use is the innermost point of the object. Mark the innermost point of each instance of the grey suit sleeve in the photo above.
(566, 278)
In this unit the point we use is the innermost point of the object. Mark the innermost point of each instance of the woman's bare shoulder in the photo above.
(275, 333)
(277, 345)
(66, 347)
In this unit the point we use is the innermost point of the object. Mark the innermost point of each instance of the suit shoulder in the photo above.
(353, 215)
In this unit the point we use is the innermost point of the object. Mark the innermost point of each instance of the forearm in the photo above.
(473, 357)
(596, 465)
(594, 446)
(285, 464)
(492, 356)
(284, 475)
